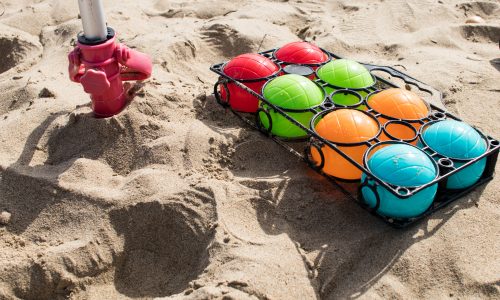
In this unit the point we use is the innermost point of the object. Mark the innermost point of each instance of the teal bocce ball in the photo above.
(459, 142)
(405, 166)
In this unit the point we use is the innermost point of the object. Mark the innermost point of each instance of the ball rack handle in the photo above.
(262, 128)
(373, 188)
(218, 97)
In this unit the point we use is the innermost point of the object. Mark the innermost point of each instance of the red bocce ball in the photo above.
(252, 70)
(302, 53)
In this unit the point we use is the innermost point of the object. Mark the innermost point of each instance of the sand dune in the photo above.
(175, 198)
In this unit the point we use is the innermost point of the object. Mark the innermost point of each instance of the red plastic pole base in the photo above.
(102, 68)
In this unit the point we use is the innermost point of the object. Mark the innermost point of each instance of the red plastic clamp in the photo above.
(102, 68)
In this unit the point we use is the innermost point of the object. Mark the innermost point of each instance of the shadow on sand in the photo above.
(26, 190)
(495, 63)
(345, 249)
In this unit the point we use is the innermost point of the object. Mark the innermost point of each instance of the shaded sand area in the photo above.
(175, 198)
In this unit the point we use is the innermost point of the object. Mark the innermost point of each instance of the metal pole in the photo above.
(93, 19)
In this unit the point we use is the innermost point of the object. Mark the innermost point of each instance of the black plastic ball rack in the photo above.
(301, 147)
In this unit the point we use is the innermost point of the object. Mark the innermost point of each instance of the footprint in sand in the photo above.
(207, 9)
(226, 39)
(165, 244)
(16, 48)
(484, 13)
(480, 32)
(480, 8)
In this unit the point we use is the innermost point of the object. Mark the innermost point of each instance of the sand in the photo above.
(174, 198)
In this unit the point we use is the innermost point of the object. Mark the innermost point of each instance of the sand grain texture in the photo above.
(175, 199)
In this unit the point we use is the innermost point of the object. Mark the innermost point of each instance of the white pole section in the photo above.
(93, 20)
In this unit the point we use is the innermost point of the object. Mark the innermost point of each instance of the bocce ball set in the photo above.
(405, 157)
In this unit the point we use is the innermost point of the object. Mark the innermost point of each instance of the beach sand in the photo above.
(174, 197)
